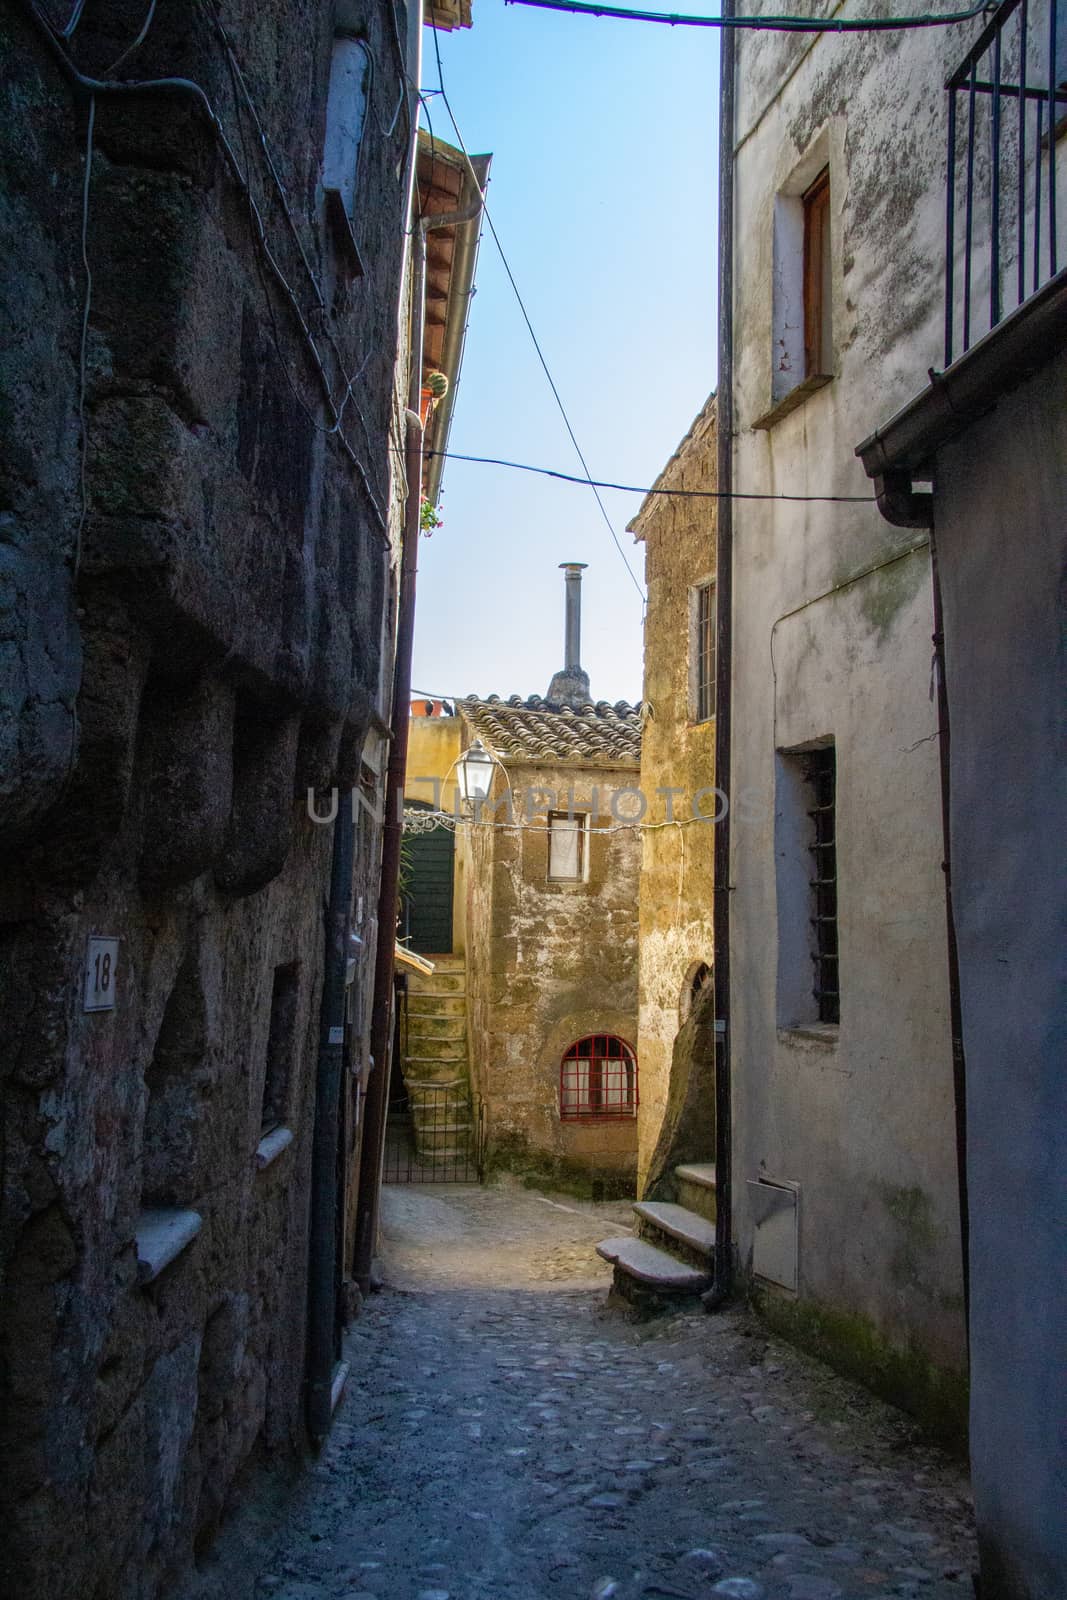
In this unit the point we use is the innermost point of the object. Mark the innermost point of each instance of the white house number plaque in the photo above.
(101, 970)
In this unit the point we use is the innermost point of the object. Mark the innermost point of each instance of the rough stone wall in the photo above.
(677, 752)
(548, 963)
(832, 626)
(192, 634)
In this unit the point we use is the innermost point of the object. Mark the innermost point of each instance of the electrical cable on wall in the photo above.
(536, 343)
(56, 38)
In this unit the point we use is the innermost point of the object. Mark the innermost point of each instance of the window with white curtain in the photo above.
(566, 846)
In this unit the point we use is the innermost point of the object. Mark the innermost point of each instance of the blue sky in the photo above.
(603, 135)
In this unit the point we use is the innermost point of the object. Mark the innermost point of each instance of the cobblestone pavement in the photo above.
(505, 1437)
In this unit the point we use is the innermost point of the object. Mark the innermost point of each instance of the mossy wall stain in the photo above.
(918, 1236)
(936, 1396)
(889, 590)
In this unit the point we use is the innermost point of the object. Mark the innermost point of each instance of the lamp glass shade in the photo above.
(475, 773)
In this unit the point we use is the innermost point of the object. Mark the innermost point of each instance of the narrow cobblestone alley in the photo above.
(505, 1437)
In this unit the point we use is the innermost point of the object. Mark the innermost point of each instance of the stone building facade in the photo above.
(677, 780)
(542, 957)
(845, 1191)
(552, 960)
(200, 520)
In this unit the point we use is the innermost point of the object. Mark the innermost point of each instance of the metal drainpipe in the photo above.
(959, 1062)
(322, 1247)
(375, 1104)
(722, 1287)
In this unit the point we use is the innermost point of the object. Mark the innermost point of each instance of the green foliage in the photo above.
(428, 517)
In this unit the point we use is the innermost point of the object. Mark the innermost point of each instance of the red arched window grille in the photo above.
(598, 1079)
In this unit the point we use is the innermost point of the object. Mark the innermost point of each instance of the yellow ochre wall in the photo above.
(676, 863)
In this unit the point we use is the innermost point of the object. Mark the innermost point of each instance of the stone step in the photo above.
(664, 1223)
(429, 1027)
(652, 1268)
(449, 964)
(441, 1141)
(438, 984)
(435, 1074)
(421, 1050)
(696, 1188)
(437, 1005)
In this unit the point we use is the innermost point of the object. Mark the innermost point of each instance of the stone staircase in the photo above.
(436, 1062)
(671, 1256)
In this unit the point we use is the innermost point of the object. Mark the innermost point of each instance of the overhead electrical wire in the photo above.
(588, 479)
(633, 488)
(770, 24)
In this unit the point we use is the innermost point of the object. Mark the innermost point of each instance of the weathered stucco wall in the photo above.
(549, 963)
(678, 753)
(434, 745)
(187, 652)
(832, 620)
(1000, 492)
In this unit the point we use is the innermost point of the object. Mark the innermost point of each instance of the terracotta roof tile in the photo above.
(537, 729)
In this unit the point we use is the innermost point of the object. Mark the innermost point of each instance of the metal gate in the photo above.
(434, 1135)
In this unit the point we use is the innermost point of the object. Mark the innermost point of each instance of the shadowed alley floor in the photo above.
(506, 1438)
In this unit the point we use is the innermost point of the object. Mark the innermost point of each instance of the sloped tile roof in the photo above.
(540, 730)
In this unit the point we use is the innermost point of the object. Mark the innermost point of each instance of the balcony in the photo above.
(1007, 110)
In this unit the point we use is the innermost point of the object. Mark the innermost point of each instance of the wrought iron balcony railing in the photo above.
(1007, 107)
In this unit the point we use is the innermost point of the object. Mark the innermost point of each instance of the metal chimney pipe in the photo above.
(572, 634)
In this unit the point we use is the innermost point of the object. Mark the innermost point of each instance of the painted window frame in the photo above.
(703, 645)
(807, 195)
(818, 278)
(607, 1072)
(556, 822)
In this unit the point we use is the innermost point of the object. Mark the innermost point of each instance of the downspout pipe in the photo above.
(322, 1248)
(720, 1291)
(381, 1028)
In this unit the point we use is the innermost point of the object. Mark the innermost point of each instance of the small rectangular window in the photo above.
(346, 113)
(818, 346)
(281, 1045)
(566, 846)
(821, 774)
(702, 652)
(806, 877)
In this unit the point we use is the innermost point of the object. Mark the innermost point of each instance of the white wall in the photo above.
(832, 620)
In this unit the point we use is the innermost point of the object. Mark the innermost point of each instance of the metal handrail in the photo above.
(1029, 157)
